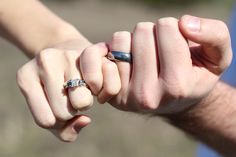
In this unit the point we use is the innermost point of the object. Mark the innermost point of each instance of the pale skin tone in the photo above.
(162, 63)
(44, 36)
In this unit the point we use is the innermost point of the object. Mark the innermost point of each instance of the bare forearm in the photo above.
(213, 121)
(32, 27)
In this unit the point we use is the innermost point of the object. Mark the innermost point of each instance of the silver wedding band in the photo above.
(74, 83)
(120, 56)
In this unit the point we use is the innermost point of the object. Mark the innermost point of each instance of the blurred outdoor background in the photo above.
(112, 133)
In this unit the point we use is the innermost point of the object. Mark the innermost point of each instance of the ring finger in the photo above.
(121, 42)
(52, 77)
(80, 97)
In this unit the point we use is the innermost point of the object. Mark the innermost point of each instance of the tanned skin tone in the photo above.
(175, 74)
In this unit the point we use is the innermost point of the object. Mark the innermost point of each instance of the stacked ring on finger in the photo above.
(120, 56)
(74, 83)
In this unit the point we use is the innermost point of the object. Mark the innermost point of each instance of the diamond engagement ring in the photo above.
(74, 83)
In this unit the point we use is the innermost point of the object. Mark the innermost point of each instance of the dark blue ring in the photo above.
(122, 56)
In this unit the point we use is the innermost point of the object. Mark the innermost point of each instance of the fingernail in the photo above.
(77, 129)
(193, 24)
(84, 121)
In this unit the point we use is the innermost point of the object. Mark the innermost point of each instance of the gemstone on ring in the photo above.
(74, 83)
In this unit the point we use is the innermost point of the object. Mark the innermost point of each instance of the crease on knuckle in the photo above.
(117, 36)
(145, 100)
(167, 22)
(144, 26)
(62, 116)
(91, 49)
(67, 137)
(222, 37)
(46, 123)
(177, 90)
(46, 58)
(70, 56)
(90, 53)
(112, 90)
(84, 103)
(93, 81)
(22, 77)
(227, 60)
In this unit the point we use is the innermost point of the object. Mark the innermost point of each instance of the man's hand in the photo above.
(169, 73)
(175, 72)
(41, 81)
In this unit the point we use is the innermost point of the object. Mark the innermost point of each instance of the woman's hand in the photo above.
(41, 81)
(168, 73)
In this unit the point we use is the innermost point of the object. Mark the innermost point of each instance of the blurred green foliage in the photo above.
(164, 3)
(177, 3)
(172, 2)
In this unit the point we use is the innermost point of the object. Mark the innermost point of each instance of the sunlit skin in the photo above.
(175, 71)
(168, 73)
(44, 36)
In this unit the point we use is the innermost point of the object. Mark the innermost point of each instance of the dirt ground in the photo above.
(113, 133)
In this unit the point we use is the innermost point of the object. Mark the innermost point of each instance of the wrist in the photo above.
(39, 28)
(61, 34)
(212, 120)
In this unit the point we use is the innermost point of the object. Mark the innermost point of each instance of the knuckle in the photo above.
(62, 116)
(67, 137)
(84, 103)
(225, 62)
(121, 35)
(91, 49)
(112, 90)
(228, 60)
(222, 36)
(142, 26)
(177, 93)
(46, 57)
(46, 123)
(22, 77)
(167, 21)
(90, 53)
(178, 90)
(145, 101)
(94, 82)
(121, 41)
(146, 104)
(70, 55)
(47, 54)
(84, 55)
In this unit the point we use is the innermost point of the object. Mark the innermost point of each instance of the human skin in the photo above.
(175, 72)
(32, 27)
(54, 46)
(179, 72)
(65, 47)
(212, 120)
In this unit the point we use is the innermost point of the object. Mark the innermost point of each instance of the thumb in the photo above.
(212, 35)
